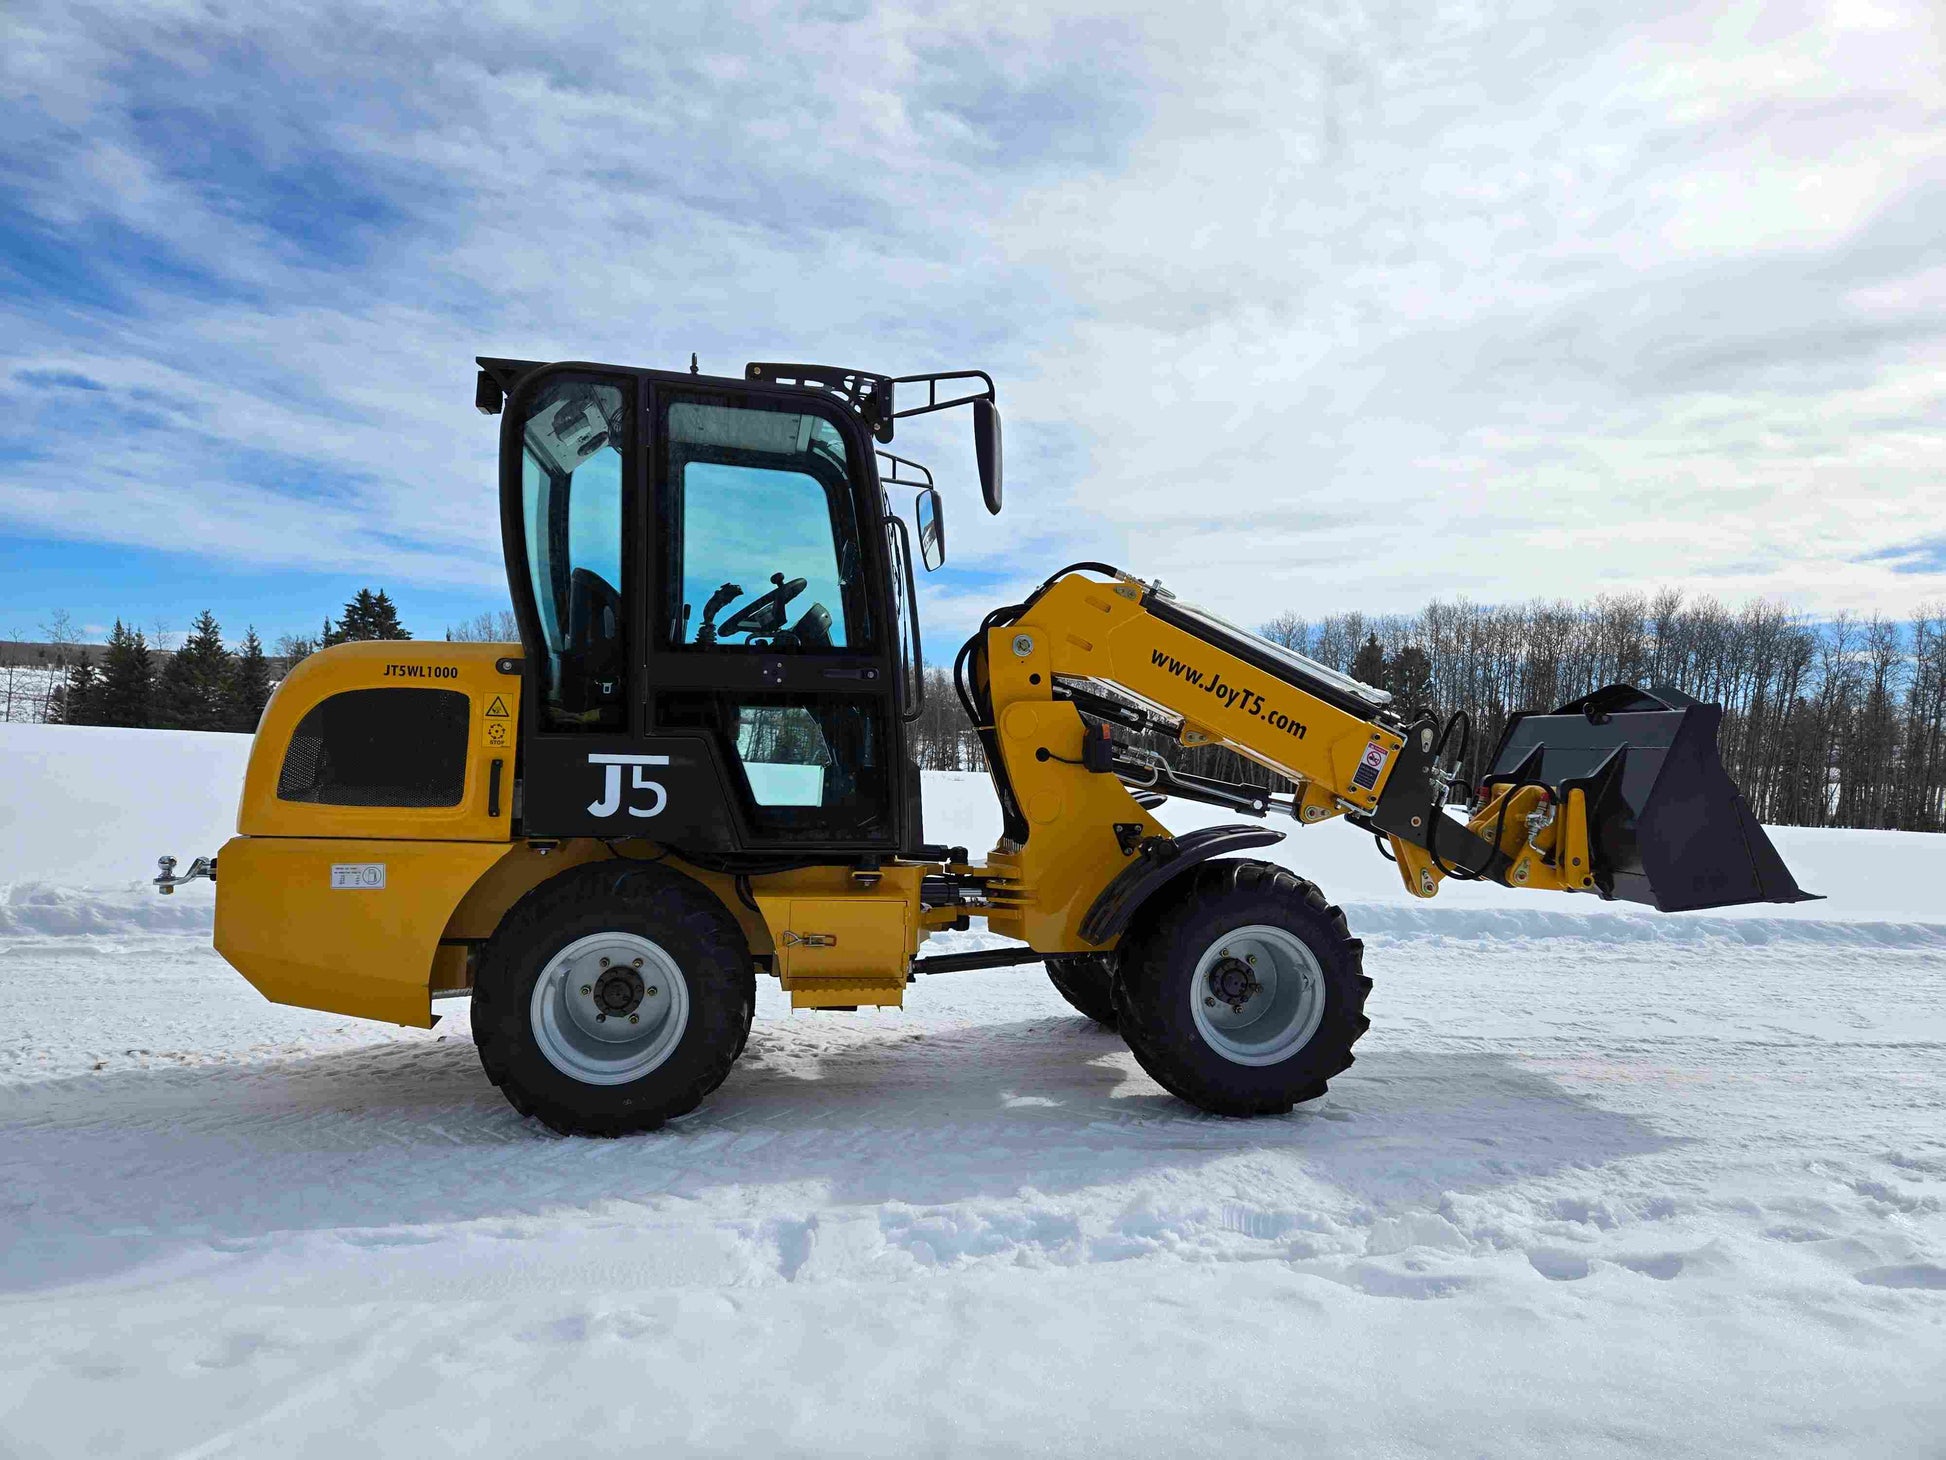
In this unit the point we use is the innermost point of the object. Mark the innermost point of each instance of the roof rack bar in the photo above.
(868, 395)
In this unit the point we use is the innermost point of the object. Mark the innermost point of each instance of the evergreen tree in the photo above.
(1368, 664)
(1408, 678)
(355, 623)
(368, 616)
(193, 687)
(385, 619)
(127, 692)
(81, 694)
(249, 685)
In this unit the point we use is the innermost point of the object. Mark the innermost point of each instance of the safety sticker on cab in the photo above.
(1369, 769)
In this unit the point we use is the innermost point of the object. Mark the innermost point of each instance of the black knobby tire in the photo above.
(677, 914)
(1085, 980)
(1157, 978)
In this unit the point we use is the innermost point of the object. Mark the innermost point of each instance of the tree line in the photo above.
(1837, 721)
(203, 684)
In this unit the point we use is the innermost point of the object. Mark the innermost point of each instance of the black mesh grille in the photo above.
(379, 747)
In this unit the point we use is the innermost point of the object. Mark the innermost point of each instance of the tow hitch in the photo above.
(166, 881)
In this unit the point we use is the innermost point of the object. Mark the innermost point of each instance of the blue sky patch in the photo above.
(1927, 555)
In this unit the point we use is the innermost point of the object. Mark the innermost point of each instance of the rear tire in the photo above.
(1240, 990)
(612, 997)
(1087, 981)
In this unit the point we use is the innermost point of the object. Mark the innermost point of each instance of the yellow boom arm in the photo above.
(1073, 827)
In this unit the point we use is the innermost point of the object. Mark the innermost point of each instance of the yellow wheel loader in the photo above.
(694, 770)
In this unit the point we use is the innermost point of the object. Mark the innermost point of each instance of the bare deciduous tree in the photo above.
(1827, 722)
(497, 627)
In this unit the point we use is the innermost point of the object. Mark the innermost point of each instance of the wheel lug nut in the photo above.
(652, 990)
(601, 1018)
(604, 963)
(635, 1018)
(638, 963)
(1251, 959)
(1209, 1002)
(587, 988)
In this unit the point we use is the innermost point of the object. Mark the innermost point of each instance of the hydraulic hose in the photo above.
(977, 713)
(979, 707)
(1435, 813)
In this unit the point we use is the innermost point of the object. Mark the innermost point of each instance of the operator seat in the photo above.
(592, 675)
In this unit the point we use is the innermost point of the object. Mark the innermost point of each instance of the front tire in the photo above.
(612, 997)
(1087, 982)
(1242, 992)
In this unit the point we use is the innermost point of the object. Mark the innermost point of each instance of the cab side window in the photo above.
(574, 435)
(762, 541)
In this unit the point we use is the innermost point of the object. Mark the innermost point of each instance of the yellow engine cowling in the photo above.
(379, 791)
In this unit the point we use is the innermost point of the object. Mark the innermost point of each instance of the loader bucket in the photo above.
(1667, 825)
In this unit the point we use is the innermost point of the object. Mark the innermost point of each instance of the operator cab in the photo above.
(716, 603)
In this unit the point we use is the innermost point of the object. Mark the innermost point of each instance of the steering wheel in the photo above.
(765, 614)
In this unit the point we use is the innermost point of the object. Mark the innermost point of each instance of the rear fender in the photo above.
(343, 925)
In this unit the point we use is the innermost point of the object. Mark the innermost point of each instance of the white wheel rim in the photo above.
(1269, 1023)
(609, 1008)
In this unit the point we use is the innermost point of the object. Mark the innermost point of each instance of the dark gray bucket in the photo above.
(1667, 825)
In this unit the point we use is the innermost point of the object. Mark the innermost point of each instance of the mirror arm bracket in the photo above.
(932, 384)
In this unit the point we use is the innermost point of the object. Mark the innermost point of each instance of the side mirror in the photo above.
(931, 515)
(986, 447)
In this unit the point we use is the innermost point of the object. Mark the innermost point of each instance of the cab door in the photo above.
(573, 525)
(701, 578)
(771, 631)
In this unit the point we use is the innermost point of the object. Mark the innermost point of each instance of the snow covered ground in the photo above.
(1600, 1183)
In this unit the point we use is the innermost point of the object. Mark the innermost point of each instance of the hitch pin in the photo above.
(1540, 819)
(1443, 781)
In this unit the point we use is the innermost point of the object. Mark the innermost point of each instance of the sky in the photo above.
(1308, 309)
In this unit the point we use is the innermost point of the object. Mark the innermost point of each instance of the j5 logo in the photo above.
(611, 788)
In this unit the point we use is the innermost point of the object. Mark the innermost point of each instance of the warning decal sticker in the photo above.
(497, 710)
(1367, 774)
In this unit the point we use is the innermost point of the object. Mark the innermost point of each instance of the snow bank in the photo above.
(38, 909)
(83, 806)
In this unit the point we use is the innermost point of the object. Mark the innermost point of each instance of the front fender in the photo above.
(1121, 899)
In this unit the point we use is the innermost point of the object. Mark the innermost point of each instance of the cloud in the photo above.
(1337, 307)
(1527, 305)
